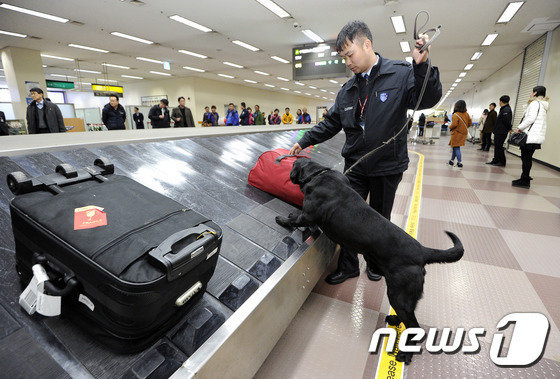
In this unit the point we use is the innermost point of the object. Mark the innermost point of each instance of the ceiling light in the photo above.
(409, 59)
(284, 89)
(283, 79)
(88, 71)
(280, 59)
(149, 60)
(107, 80)
(132, 77)
(323, 90)
(312, 36)
(193, 54)
(261, 73)
(55, 57)
(44, 66)
(269, 85)
(34, 13)
(489, 39)
(476, 55)
(312, 87)
(317, 96)
(454, 85)
(458, 80)
(405, 46)
(63, 76)
(308, 94)
(190, 23)
(193, 69)
(333, 81)
(332, 93)
(274, 8)
(12, 34)
(226, 76)
(297, 91)
(122, 35)
(510, 11)
(325, 98)
(88, 48)
(160, 73)
(398, 24)
(299, 84)
(85, 83)
(115, 65)
(233, 64)
(245, 45)
(462, 75)
(249, 81)
(469, 66)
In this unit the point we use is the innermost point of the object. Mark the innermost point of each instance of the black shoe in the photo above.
(491, 163)
(337, 277)
(372, 275)
(521, 183)
(450, 163)
(482, 149)
(499, 164)
(460, 165)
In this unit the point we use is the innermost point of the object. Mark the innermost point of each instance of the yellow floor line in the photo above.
(388, 366)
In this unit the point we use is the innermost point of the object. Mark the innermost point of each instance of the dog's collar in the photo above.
(308, 179)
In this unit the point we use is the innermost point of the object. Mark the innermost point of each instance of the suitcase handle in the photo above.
(277, 160)
(175, 254)
(69, 280)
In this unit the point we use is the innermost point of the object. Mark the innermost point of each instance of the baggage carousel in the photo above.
(263, 275)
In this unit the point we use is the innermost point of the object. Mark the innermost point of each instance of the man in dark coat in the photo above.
(182, 115)
(43, 116)
(501, 129)
(488, 128)
(159, 115)
(244, 116)
(371, 108)
(113, 115)
(138, 118)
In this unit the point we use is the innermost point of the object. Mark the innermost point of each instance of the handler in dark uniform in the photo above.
(371, 108)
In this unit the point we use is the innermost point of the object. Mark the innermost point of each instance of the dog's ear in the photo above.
(295, 173)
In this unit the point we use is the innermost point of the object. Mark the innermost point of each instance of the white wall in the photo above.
(87, 100)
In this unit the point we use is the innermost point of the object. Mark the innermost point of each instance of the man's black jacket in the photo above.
(113, 118)
(394, 90)
(244, 117)
(503, 122)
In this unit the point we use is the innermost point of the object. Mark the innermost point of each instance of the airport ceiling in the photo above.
(465, 25)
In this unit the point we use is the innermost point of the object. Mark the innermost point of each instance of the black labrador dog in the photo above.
(330, 203)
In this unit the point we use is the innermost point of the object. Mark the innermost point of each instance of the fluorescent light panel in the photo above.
(13, 34)
(160, 73)
(323, 90)
(261, 73)
(269, 85)
(87, 48)
(405, 46)
(510, 11)
(458, 80)
(127, 36)
(132, 77)
(283, 79)
(250, 81)
(63, 76)
(193, 54)
(226, 76)
(398, 24)
(469, 66)
(115, 65)
(190, 23)
(476, 55)
(489, 39)
(149, 60)
(462, 75)
(34, 13)
(312, 87)
(233, 64)
(245, 45)
(312, 36)
(284, 89)
(299, 84)
(280, 59)
(107, 80)
(274, 8)
(333, 81)
(88, 71)
(193, 69)
(55, 57)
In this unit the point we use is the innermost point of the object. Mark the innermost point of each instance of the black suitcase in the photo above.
(127, 261)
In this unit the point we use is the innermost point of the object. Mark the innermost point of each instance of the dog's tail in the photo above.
(445, 256)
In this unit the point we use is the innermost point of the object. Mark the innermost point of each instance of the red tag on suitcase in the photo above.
(89, 217)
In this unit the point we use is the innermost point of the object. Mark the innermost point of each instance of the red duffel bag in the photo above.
(272, 175)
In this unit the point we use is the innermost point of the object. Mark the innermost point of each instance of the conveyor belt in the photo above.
(208, 175)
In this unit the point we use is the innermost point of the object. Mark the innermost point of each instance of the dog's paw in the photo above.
(283, 221)
(406, 358)
(393, 320)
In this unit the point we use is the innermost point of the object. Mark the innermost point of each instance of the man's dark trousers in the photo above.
(382, 191)
(486, 141)
(499, 153)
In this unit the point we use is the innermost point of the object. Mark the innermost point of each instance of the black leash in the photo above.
(424, 84)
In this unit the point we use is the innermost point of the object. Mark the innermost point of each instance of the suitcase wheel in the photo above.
(67, 170)
(105, 164)
(19, 183)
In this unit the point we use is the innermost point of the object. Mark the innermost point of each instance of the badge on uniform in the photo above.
(383, 97)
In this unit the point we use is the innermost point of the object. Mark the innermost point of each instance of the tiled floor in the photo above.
(511, 264)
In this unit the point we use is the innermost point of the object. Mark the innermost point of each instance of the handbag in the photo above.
(520, 138)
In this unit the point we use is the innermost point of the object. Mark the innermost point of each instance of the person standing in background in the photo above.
(159, 115)
(305, 117)
(459, 129)
(113, 114)
(298, 117)
(182, 115)
(251, 118)
(43, 116)
(244, 116)
(276, 119)
(481, 122)
(214, 116)
(232, 117)
(258, 116)
(287, 117)
(421, 124)
(138, 118)
(270, 117)
(4, 129)
(501, 129)
(486, 135)
(206, 116)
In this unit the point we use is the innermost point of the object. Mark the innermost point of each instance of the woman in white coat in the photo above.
(534, 124)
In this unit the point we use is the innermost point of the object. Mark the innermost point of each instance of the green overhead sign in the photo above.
(60, 84)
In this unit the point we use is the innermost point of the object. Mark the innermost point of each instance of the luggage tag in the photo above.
(34, 299)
